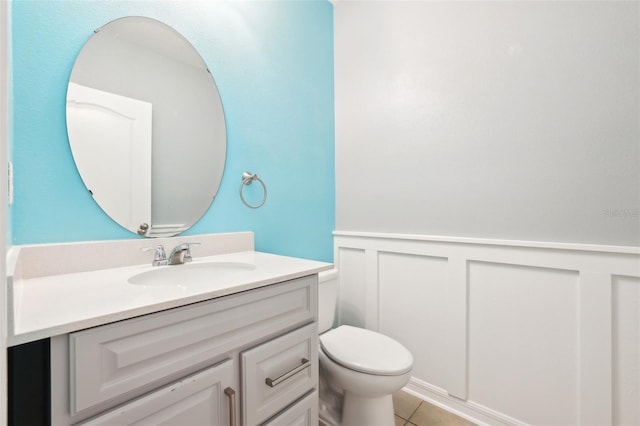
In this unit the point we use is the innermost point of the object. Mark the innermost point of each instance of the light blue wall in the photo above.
(273, 64)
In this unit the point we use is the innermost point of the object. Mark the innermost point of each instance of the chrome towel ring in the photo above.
(247, 179)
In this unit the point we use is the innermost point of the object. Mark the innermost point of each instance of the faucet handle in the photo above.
(160, 257)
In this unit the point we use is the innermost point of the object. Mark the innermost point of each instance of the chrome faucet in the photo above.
(181, 254)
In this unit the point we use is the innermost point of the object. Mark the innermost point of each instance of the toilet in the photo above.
(359, 369)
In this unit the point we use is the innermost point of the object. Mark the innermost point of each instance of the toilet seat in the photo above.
(366, 351)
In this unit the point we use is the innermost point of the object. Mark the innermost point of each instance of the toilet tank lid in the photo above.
(327, 275)
(366, 351)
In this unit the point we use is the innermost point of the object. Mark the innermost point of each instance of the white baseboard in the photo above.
(470, 411)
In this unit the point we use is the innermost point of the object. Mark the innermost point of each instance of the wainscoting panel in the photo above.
(503, 332)
(423, 279)
(626, 350)
(524, 340)
(352, 305)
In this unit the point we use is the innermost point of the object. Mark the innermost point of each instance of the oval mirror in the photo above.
(146, 126)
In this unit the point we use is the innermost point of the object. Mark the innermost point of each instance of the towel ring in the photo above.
(247, 179)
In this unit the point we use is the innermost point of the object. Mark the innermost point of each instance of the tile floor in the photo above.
(412, 411)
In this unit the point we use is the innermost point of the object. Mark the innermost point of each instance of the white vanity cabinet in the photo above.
(249, 358)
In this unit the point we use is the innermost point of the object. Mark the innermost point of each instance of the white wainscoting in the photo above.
(503, 332)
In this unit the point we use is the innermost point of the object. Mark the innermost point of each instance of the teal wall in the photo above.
(273, 64)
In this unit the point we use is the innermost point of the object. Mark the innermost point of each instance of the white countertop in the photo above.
(56, 304)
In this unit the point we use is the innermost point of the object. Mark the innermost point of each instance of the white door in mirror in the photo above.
(116, 167)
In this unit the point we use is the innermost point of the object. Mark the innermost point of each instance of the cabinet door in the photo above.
(276, 373)
(302, 413)
(196, 400)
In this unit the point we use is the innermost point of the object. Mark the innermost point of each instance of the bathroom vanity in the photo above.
(103, 333)
(237, 348)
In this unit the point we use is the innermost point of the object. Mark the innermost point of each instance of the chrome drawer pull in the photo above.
(232, 405)
(275, 382)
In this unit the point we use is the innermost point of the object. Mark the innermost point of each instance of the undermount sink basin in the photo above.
(190, 273)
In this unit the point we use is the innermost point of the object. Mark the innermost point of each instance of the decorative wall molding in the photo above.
(503, 332)
(490, 242)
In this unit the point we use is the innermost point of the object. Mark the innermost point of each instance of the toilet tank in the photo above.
(327, 299)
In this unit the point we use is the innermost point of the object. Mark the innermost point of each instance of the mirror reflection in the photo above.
(146, 126)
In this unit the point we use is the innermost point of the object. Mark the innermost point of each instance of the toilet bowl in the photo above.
(364, 367)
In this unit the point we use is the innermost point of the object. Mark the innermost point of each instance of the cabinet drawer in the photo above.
(302, 413)
(195, 400)
(133, 356)
(276, 373)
